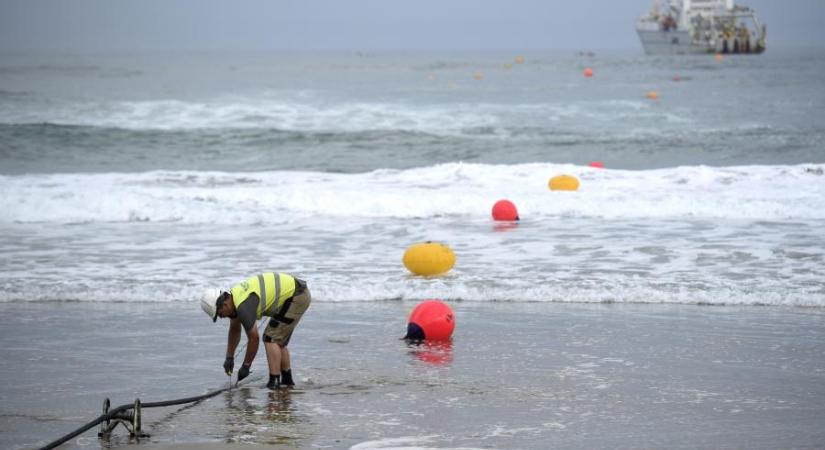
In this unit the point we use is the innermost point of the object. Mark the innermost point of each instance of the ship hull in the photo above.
(673, 42)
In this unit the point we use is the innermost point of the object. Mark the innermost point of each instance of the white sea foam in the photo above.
(688, 235)
(455, 189)
(266, 112)
(460, 287)
(297, 113)
(404, 443)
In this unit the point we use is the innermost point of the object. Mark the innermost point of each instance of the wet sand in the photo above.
(516, 375)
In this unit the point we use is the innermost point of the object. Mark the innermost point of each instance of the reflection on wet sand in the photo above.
(267, 415)
(279, 407)
(435, 352)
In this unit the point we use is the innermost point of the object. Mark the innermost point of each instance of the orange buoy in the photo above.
(505, 210)
(653, 95)
(588, 72)
(429, 258)
(719, 57)
(597, 164)
(431, 320)
(519, 60)
(563, 183)
(478, 76)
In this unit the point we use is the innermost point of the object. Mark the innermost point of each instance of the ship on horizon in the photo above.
(700, 26)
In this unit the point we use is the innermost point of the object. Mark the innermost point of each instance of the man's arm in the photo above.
(247, 318)
(234, 337)
(251, 345)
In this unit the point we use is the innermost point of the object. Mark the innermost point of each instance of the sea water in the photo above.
(674, 300)
(144, 178)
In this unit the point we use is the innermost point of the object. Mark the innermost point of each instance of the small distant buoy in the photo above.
(597, 164)
(588, 72)
(519, 60)
(653, 95)
(508, 66)
(478, 76)
(505, 210)
(677, 78)
(431, 320)
(563, 183)
(719, 57)
(431, 77)
(429, 258)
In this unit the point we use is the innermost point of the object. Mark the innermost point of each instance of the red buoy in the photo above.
(431, 320)
(588, 72)
(505, 210)
(597, 164)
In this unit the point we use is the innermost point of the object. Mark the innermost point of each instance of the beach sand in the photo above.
(516, 375)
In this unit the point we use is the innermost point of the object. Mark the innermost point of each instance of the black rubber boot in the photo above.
(274, 381)
(286, 378)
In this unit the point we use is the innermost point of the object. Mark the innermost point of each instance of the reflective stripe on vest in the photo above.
(273, 289)
(264, 299)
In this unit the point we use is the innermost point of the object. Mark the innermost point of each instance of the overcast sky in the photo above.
(79, 26)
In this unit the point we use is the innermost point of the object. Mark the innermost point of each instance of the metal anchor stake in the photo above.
(131, 420)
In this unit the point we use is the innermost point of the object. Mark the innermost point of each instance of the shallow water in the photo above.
(553, 259)
(516, 375)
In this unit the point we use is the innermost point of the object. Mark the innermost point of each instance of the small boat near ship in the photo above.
(700, 26)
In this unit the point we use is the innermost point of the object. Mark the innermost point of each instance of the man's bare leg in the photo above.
(274, 360)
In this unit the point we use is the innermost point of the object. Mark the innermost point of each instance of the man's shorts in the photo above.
(280, 328)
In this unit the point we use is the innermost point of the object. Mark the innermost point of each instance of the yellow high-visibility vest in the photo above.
(272, 288)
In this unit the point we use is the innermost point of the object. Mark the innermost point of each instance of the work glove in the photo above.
(243, 372)
(228, 365)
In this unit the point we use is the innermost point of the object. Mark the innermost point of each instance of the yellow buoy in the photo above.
(478, 76)
(429, 258)
(563, 183)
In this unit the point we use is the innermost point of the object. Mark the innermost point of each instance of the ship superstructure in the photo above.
(700, 26)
